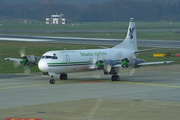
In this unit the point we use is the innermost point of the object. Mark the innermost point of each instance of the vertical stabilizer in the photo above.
(130, 42)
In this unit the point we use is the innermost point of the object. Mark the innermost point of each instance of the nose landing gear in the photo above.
(52, 81)
(62, 76)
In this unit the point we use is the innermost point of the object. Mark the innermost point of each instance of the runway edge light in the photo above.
(23, 119)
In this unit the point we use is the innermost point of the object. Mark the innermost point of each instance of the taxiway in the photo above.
(152, 92)
(96, 41)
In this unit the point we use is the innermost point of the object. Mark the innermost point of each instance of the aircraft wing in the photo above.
(117, 66)
(27, 60)
(14, 59)
(154, 63)
(93, 67)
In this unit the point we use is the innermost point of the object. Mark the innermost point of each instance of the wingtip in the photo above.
(6, 58)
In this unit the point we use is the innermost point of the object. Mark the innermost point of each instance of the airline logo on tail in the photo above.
(131, 30)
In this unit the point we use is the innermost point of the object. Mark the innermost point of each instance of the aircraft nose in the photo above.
(42, 65)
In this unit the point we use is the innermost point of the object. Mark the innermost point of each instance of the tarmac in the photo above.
(151, 93)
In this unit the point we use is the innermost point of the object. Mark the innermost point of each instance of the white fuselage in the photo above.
(78, 60)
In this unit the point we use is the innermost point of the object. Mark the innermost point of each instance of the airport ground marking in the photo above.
(159, 85)
(81, 81)
(16, 83)
(23, 119)
(22, 86)
(93, 110)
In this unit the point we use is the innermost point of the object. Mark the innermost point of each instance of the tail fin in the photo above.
(130, 42)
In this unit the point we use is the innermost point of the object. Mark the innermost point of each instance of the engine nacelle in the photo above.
(106, 65)
(133, 62)
(30, 60)
(137, 61)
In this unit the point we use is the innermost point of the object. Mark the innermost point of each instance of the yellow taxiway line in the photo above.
(80, 81)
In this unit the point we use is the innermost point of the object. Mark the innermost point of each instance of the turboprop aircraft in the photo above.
(110, 60)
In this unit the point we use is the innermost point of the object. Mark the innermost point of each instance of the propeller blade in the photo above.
(93, 63)
(132, 56)
(119, 56)
(131, 71)
(16, 63)
(97, 73)
(92, 60)
(107, 68)
(26, 70)
(22, 52)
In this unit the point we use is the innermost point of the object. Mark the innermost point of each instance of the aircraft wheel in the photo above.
(63, 76)
(52, 81)
(115, 78)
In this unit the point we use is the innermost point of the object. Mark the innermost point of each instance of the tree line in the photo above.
(115, 10)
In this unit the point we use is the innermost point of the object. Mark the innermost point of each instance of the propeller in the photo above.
(101, 64)
(129, 63)
(24, 60)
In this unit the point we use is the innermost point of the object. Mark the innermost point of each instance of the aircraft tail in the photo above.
(130, 42)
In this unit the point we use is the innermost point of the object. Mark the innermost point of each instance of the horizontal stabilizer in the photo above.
(104, 47)
(147, 50)
(154, 63)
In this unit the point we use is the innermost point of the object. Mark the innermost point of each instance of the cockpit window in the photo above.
(54, 57)
(49, 57)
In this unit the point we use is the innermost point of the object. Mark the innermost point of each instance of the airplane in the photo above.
(110, 60)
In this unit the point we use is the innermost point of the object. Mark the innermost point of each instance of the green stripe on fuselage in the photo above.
(72, 63)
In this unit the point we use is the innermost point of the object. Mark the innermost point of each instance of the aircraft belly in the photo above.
(57, 69)
(65, 69)
(77, 68)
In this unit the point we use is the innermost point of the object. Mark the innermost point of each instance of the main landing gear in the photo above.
(115, 78)
(62, 76)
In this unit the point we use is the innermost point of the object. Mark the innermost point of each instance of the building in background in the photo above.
(57, 19)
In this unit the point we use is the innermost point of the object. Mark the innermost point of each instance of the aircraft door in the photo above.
(67, 59)
(67, 62)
